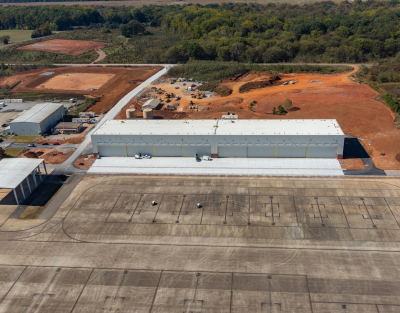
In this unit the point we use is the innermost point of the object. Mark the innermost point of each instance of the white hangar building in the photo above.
(38, 119)
(220, 138)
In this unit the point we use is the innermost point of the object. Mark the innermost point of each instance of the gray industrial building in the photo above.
(38, 119)
(220, 138)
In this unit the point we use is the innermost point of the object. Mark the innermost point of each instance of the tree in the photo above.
(274, 111)
(6, 39)
(132, 28)
(281, 110)
(2, 153)
(288, 104)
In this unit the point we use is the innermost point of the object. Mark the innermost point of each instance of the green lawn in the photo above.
(16, 35)
(13, 152)
(22, 138)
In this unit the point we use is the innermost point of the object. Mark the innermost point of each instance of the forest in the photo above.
(253, 33)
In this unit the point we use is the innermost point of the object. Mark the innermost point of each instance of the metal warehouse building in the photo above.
(219, 138)
(38, 119)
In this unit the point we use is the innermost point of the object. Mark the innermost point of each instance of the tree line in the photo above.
(254, 33)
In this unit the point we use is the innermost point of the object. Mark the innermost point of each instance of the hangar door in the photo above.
(168, 151)
(112, 151)
(232, 151)
(134, 150)
(191, 151)
(261, 151)
(291, 152)
(322, 152)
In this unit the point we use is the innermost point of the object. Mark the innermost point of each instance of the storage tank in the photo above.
(130, 114)
(148, 114)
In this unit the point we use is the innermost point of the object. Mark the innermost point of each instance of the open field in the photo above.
(62, 46)
(76, 81)
(314, 96)
(109, 93)
(51, 156)
(16, 35)
(255, 245)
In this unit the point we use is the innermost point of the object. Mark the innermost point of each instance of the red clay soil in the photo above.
(84, 162)
(62, 46)
(51, 156)
(316, 97)
(352, 164)
(110, 93)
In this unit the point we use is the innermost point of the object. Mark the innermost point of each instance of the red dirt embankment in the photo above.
(109, 93)
(51, 156)
(84, 162)
(63, 46)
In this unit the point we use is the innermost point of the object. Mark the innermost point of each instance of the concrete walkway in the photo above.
(219, 167)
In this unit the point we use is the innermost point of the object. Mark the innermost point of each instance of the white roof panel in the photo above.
(14, 171)
(157, 127)
(225, 127)
(37, 113)
(279, 127)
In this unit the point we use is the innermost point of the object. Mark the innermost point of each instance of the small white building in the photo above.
(220, 138)
(87, 114)
(151, 104)
(38, 119)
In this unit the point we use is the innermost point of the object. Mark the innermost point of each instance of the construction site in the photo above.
(314, 96)
(109, 84)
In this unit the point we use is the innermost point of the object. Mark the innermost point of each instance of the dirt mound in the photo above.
(109, 93)
(61, 46)
(84, 162)
(259, 84)
(31, 155)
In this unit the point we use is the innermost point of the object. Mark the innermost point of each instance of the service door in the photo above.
(191, 151)
(322, 152)
(168, 151)
(232, 151)
(261, 151)
(134, 150)
(291, 152)
(112, 151)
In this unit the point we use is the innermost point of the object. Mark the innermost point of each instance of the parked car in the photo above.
(56, 144)
(177, 87)
(31, 145)
(45, 144)
(4, 125)
(146, 156)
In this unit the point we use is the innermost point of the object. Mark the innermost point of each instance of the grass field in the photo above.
(13, 152)
(23, 138)
(16, 35)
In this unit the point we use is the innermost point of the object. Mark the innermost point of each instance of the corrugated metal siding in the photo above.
(321, 152)
(232, 151)
(168, 151)
(261, 152)
(291, 152)
(191, 151)
(134, 150)
(112, 151)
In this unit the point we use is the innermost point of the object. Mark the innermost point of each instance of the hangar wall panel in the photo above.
(291, 152)
(168, 151)
(191, 151)
(322, 152)
(261, 152)
(134, 150)
(112, 151)
(232, 151)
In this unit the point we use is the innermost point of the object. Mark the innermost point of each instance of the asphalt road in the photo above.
(26, 145)
(86, 146)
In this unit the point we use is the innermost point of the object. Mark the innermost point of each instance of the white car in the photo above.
(146, 156)
(137, 156)
(206, 158)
